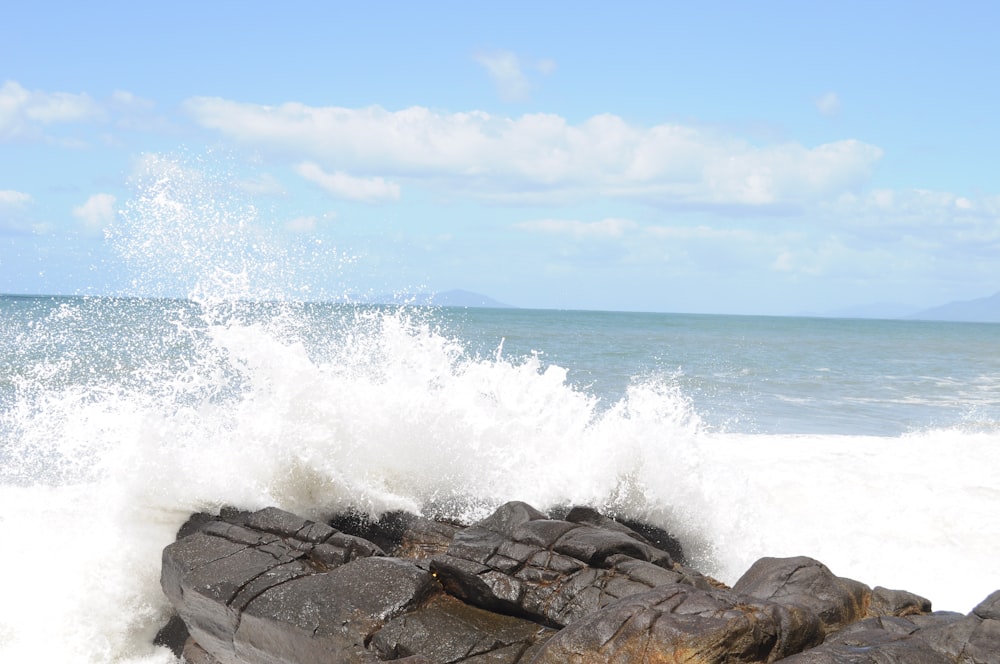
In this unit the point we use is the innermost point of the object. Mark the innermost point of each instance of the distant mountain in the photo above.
(981, 310)
(451, 298)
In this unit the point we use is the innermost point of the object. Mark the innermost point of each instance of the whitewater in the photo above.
(872, 446)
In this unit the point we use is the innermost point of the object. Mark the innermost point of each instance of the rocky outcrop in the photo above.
(522, 587)
(520, 562)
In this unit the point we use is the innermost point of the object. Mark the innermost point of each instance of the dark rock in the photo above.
(330, 616)
(209, 580)
(225, 577)
(510, 516)
(195, 654)
(679, 623)
(809, 583)
(518, 587)
(194, 524)
(520, 562)
(173, 635)
(447, 630)
(974, 639)
(989, 608)
(644, 532)
(885, 602)
(878, 640)
(399, 534)
(935, 619)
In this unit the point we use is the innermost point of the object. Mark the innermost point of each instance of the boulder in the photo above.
(880, 640)
(399, 533)
(448, 630)
(886, 602)
(519, 562)
(805, 582)
(974, 639)
(330, 616)
(680, 623)
(644, 532)
(271, 587)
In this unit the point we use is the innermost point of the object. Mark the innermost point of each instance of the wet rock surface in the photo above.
(524, 587)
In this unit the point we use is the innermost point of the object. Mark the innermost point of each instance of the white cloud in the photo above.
(507, 71)
(605, 228)
(125, 100)
(512, 158)
(97, 212)
(342, 185)
(504, 69)
(11, 198)
(24, 112)
(15, 213)
(828, 103)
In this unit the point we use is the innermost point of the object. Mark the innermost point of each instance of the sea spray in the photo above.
(390, 414)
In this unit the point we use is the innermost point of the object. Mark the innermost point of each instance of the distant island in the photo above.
(981, 310)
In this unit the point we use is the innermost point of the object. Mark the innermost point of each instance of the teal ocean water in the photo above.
(873, 446)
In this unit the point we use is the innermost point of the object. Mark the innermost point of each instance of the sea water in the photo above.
(872, 446)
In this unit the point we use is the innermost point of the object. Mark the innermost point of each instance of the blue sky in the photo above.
(773, 157)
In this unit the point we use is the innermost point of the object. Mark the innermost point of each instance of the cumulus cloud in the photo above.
(23, 113)
(342, 185)
(493, 156)
(10, 198)
(97, 212)
(828, 103)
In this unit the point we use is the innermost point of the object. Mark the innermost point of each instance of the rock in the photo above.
(400, 534)
(195, 654)
(679, 623)
(656, 537)
(210, 578)
(519, 587)
(448, 630)
(173, 635)
(974, 639)
(989, 608)
(809, 583)
(330, 616)
(519, 562)
(880, 640)
(885, 602)
(275, 585)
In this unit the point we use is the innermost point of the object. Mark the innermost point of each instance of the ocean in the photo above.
(872, 446)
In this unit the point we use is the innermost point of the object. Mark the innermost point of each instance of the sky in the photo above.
(711, 157)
